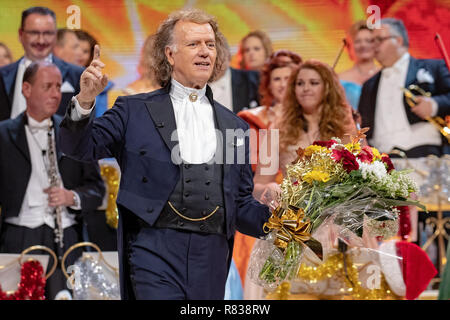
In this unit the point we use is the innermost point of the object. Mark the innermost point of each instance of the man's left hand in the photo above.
(59, 197)
(423, 108)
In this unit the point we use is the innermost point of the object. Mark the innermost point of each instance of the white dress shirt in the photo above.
(392, 128)
(19, 104)
(195, 124)
(194, 121)
(35, 210)
(222, 90)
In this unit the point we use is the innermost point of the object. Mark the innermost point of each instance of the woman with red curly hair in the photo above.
(314, 108)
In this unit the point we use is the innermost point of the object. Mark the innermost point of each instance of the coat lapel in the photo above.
(162, 114)
(63, 67)
(412, 71)
(236, 87)
(372, 105)
(224, 121)
(56, 122)
(18, 135)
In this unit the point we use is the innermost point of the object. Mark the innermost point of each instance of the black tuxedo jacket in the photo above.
(440, 91)
(137, 131)
(70, 73)
(15, 170)
(244, 86)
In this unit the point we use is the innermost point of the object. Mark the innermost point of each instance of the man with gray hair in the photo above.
(178, 207)
(393, 122)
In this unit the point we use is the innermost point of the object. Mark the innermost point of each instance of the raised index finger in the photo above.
(96, 52)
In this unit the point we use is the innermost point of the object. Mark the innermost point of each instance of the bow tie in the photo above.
(36, 129)
(35, 126)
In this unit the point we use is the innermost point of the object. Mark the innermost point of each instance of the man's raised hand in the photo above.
(92, 81)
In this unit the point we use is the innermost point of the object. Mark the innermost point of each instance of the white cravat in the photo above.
(19, 104)
(35, 211)
(195, 124)
(222, 90)
(392, 128)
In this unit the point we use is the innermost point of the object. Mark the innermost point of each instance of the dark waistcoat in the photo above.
(197, 202)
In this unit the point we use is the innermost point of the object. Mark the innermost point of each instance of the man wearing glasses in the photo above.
(393, 123)
(37, 34)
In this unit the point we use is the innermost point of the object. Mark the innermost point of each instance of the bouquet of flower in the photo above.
(353, 187)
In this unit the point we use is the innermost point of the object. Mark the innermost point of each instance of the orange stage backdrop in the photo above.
(312, 28)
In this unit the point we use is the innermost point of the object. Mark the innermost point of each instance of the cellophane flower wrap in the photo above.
(354, 188)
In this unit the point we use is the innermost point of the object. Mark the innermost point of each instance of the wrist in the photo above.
(70, 196)
(84, 102)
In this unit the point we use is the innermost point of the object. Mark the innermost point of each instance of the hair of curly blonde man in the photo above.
(164, 38)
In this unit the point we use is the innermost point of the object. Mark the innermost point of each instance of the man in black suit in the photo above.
(28, 201)
(180, 200)
(37, 34)
(383, 108)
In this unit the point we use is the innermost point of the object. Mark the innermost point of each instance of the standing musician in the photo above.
(177, 217)
(383, 108)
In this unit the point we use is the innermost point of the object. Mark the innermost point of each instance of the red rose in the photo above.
(366, 155)
(387, 161)
(347, 159)
(327, 144)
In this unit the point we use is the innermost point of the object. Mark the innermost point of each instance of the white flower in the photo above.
(373, 171)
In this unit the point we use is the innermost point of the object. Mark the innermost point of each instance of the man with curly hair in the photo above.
(179, 202)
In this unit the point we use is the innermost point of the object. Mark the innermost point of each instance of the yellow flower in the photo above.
(353, 147)
(315, 149)
(316, 175)
(376, 154)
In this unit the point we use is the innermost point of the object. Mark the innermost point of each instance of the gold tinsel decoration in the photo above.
(334, 267)
(281, 293)
(111, 176)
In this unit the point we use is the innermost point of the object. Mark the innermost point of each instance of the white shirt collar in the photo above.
(180, 92)
(32, 123)
(399, 64)
(26, 61)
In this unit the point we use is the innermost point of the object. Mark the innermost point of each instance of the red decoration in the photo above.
(32, 283)
(404, 222)
(418, 270)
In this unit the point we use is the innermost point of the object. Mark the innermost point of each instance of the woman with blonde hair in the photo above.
(146, 81)
(5, 55)
(359, 41)
(255, 48)
(314, 108)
